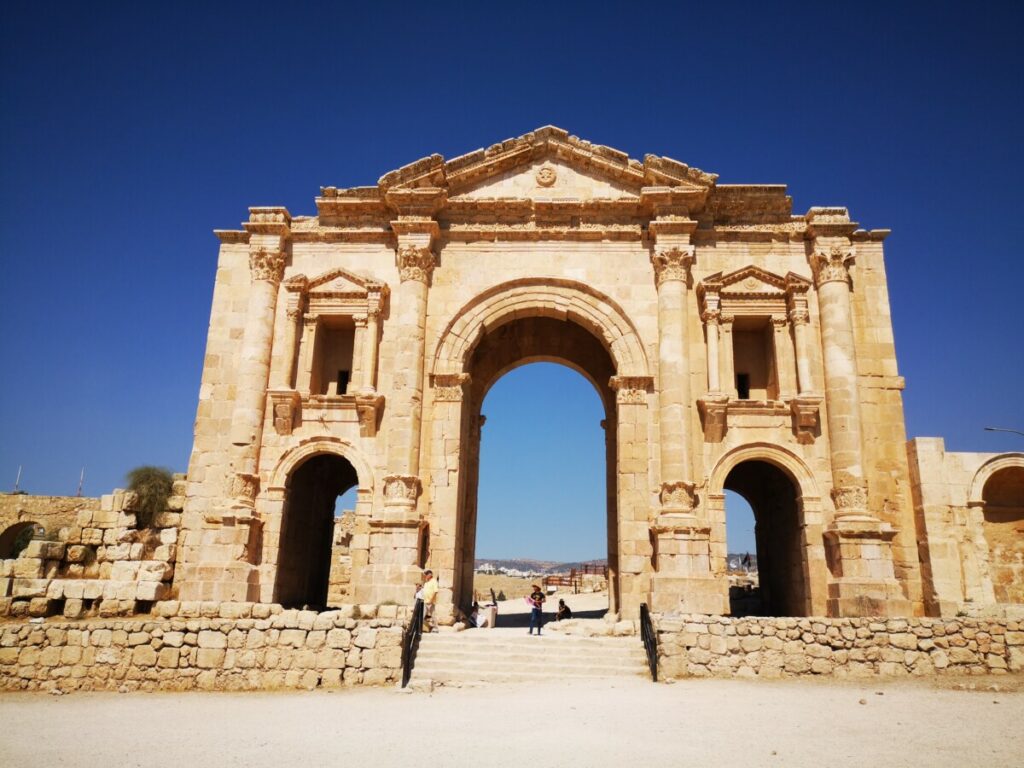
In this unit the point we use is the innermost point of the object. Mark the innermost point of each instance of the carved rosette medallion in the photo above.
(546, 176)
(676, 496)
(672, 263)
(850, 499)
(631, 390)
(833, 265)
(416, 263)
(267, 265)
(401, 490)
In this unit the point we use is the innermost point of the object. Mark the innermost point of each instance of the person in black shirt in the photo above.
(564, 611)
(536, 599)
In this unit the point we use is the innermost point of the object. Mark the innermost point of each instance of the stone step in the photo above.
(487, 657)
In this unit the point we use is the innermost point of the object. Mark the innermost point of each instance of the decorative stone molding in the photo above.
(244, 487)
(368, 408)
(401, 490)
(672, 263)
(631, 390)
(799, 316)
(285, 407)
(676, 496)
(416, 263)
(713, 409)
(850, 499)
(805, 409)
(711, 316)
(832, 265)
(267, 265)
(685, 526)
(450, 388)
(546, 176)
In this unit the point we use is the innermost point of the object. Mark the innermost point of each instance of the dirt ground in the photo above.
(585, 723)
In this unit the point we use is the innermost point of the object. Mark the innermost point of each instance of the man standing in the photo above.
(536, 600)
(429, 591)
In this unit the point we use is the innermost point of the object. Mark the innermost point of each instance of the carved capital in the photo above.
(401, 490)
(294, 314)
(672, 263)
(799, 316)
(832, 265)
(850, 499)
(631, 389)
(416, 262)
(711, 316)
(676, 496)
(359, 321)
(244, 488)
(266, 265)
(726, 320)
(779, 322)
(450, 387)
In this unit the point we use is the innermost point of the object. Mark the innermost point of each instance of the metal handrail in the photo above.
(650, 638)
(411, 641)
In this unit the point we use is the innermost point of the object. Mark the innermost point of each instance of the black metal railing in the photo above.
(650, 638)
(411, 641)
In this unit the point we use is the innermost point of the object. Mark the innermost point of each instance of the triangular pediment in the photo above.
(340, 281)
(546, 163)
(746, 280)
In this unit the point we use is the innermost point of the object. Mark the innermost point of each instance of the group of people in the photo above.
(427, 592)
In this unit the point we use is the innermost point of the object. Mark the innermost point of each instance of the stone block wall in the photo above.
(101, 562)
(710, 646)
(206, 646)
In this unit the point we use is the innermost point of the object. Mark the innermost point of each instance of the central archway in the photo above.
(537, 320)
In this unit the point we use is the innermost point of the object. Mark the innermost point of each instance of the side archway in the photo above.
(997, 493)
(781, 490)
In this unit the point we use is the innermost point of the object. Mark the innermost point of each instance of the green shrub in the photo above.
(153, 486)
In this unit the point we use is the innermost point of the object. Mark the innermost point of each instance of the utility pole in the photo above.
(17, 482)
(1003, 429)
(81, 479)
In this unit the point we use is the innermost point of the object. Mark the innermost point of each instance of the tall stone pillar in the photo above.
(397, 529)
(683, 578)
(861, 544)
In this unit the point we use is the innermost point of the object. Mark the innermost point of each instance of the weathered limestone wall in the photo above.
(971, 543)
(51, 512)
(206, 647)
(704, 646)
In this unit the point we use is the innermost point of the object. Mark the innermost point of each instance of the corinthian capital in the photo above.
(416, 262)
(672, 263)
(267, 265)
(832, 265)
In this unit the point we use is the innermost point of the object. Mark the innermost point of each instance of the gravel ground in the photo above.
(586, 723)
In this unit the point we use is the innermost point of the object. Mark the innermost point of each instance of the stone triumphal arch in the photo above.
(734, 345)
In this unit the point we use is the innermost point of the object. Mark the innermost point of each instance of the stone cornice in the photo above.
(268, 220)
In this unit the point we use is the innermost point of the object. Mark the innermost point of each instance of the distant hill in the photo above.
(537, 566)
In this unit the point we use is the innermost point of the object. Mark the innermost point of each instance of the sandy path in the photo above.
(711, 722)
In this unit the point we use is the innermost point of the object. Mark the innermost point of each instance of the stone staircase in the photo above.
(510, 655)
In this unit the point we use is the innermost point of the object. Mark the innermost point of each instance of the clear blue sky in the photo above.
(128, 131)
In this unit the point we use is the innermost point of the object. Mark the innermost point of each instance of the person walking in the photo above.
(536, 601)
(429, 591)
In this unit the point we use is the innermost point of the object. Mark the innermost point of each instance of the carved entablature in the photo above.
(751, 292)
(631, 390)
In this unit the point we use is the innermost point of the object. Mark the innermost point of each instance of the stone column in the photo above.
(862, 565)
(359, 374)
(267, 268)
(683, 578)
(672, 272)
(784, 363)
(396, 530)
(370, 346)
(799, 318)
(711, 318)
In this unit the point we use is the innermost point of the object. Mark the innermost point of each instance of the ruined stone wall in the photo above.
(705, 646)
(206, 646)
(51, 512)
(101, 562)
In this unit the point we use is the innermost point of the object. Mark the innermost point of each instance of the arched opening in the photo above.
(15, 538)
(550, 444)
(307, 529)
(1003, 495)
(781, 583)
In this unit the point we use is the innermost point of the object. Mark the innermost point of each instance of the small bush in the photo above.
(501, 595)
(153, 486)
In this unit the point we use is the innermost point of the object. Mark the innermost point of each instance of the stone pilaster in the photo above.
(860, 544)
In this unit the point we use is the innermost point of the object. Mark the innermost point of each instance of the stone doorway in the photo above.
(779, 538)
(511, 345)
(307, 529)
